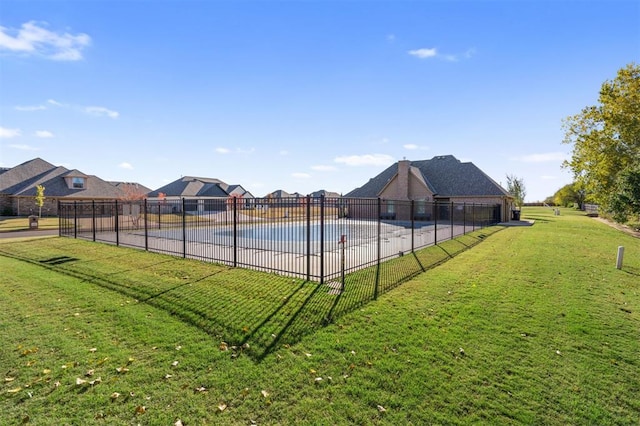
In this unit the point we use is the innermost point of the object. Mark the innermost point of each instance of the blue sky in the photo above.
(303, 95)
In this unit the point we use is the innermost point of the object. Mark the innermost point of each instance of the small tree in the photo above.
(40, 199)
(515, 186)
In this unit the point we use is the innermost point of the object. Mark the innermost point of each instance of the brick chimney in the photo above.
(402, 188)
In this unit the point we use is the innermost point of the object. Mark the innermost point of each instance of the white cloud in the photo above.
(34, 39)
(433, 53)
(23, 147)
(30, 108)
(54, 102)
(414, 147)
(222, 150)
(43, 134)
(301, 175)
(323, 168)
(424, 53)
(101, 112)
(125, 165)
(548, 157)
(365, 160)
(9, 133)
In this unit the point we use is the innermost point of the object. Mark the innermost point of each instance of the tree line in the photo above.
(605, 157)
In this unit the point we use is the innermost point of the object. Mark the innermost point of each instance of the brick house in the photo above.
(18, 188)
(442, 179)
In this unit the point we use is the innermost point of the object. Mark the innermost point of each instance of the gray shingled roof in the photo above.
(192, 186)
(445, 175)
(22, 180)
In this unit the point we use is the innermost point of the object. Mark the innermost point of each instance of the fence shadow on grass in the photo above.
(245, 311)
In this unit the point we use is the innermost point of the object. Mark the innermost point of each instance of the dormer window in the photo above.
(78, 183)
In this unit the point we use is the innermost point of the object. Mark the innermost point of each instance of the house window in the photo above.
(77, 183)
(391, 207)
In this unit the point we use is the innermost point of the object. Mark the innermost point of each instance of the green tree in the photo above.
(569, 195)
(515, 186)
(625, 200)
(39, 199)
(606, 137)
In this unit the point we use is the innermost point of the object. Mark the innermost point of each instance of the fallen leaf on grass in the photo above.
(381, 409)
(46, 371)
(201, 389)
(141, 409)
(93, 350)
(264, 393)
(122, 370)
(178, 423)
(168, 376)
(174, 363)
(14, 390)
(9, 379)
(80, 382)
(115, 396)
(224, 346)
(222, 407)
(96, 381)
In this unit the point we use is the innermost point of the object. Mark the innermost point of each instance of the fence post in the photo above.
(308, 238)
(235, 231)
(75, 219)
(93, 219)
(473, 216)
(451, 219)
(184, 229)
(59, 219)
(117, 224)
(146, 226)
(375, 290)
(435, 222)
(464, 218)
(413, 225)
(322, 239)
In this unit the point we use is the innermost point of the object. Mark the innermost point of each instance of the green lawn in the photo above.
(22, 223)
(532, 325)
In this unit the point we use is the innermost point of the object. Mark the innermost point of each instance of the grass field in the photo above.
(533, 325)
(22, 223)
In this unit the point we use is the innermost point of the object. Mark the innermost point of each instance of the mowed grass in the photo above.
(534, 325)
(22, 223)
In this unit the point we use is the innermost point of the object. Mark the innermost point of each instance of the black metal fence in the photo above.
(318, 239)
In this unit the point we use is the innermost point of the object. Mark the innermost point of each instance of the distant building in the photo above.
(203, 194)
(18, 187)
(441, 179)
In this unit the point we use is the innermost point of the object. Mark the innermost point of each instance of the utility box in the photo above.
(515, 214)
(33, 222)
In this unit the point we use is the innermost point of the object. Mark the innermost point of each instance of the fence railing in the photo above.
(319, 239)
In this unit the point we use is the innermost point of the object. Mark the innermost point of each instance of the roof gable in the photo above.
(444, 175)
(23, 179)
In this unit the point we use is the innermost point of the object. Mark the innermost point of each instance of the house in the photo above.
(18, 187)
(324, 193)
(442, 179)
(202, 194)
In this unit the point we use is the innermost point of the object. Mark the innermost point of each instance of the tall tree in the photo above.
(515, 186)
(40, 199)
(606, 137)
